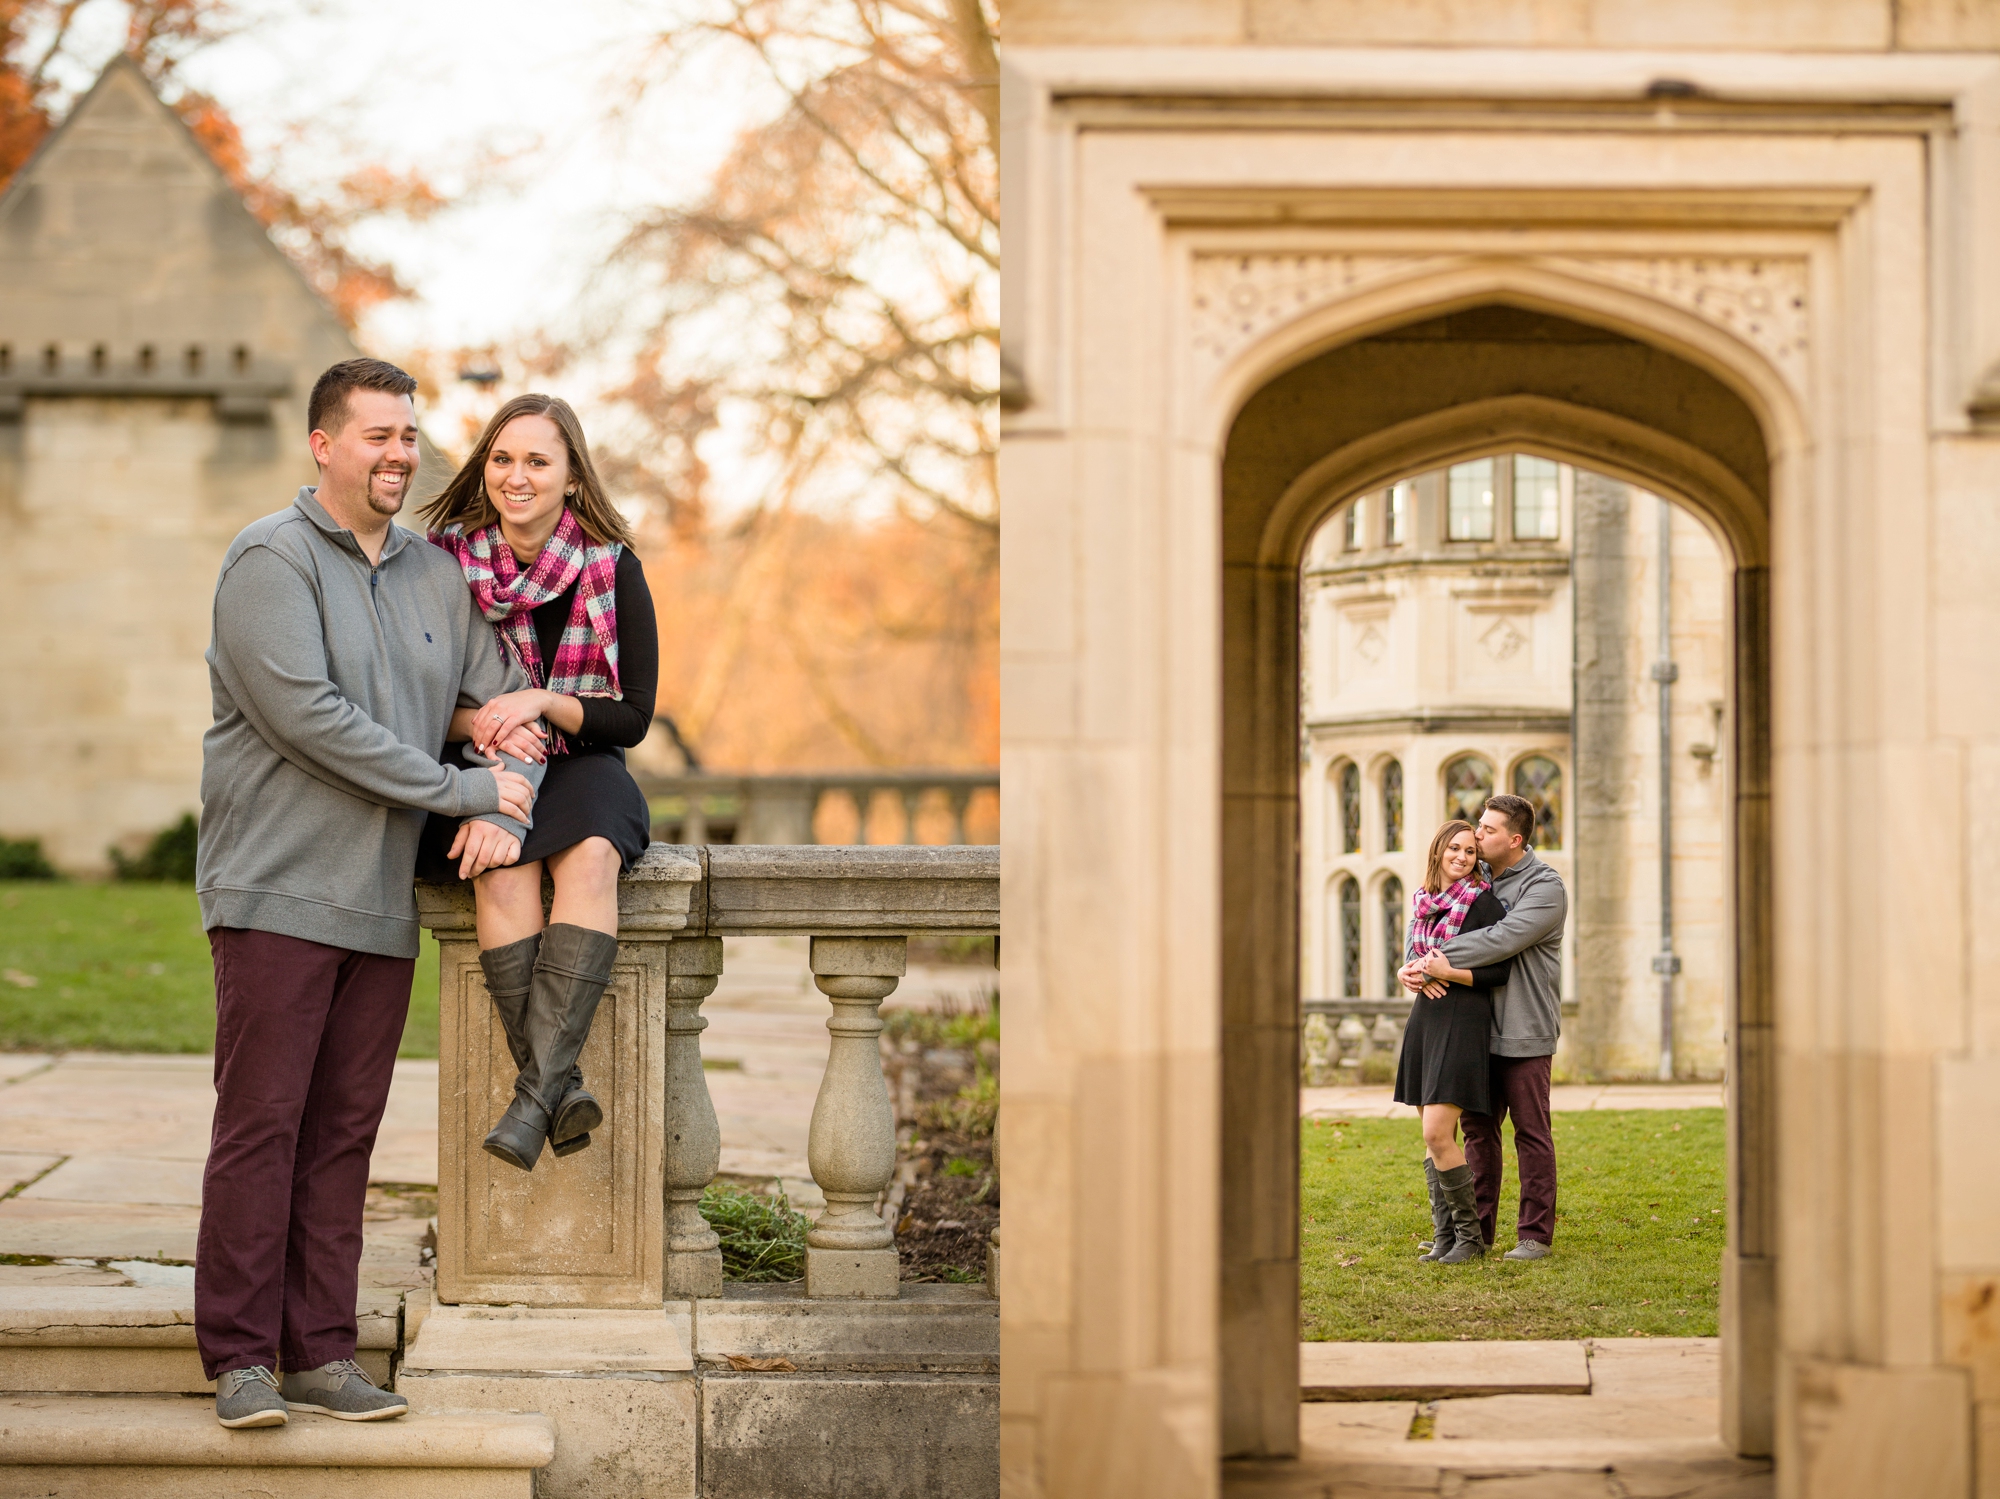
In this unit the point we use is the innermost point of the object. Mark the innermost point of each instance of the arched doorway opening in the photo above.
(1471, 375)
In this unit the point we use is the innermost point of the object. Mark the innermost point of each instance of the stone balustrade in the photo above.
(1339, 1035)
(618, 1225)
(697, 807)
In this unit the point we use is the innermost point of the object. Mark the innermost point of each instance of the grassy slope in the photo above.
(1629, 1256)
(126, 968)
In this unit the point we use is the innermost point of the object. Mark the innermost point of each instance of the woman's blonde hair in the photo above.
(463, 502)
(1434, 880)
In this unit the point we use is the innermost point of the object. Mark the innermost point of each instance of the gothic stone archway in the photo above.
(1489, 378)
(1187, 228)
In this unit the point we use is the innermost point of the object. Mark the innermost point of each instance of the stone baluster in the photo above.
(1319, 1050)
(850, 1251)
(1352, 1036)
(694, 1138)
(912, 796)
(694, 822)
(960, 797)
(1387, 1036)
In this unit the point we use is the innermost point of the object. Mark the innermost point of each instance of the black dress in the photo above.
(587, 793)
(1444, 1045)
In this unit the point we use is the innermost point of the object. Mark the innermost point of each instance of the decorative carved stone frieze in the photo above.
(1238, 299)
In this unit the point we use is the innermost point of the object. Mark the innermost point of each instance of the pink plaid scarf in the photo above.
(1436, 919)
(586, 663)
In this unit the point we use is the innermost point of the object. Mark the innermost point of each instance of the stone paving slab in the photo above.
(1656, 1368)
(523, 1339)
(15, 1064)
(97, 1230)
(1432, 1371)
(115, 1178)
(1507, 1418)
(15, 1169)
(1565, 1098)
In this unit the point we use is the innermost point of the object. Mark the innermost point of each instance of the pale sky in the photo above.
(327, 85)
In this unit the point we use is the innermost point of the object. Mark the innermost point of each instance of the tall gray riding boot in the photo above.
(1470, 1243)
(570, 974)
(1442, 1238)
(510, 974)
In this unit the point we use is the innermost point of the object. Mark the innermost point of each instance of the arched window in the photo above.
(1468, 782)
(1392, 933)
(1350, 938)
(1540, 780)
(1392, 806)
(1349, 784)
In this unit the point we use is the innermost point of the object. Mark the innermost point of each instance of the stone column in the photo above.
(850, 1251)
(694, 1139)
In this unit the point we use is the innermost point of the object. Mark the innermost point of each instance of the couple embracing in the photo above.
(1484, 959)
(456, 704)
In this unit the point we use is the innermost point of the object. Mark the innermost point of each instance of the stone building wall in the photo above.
(1422, 652)
(156, 353)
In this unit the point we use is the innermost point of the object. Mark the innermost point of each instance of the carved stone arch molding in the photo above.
(1237, 298)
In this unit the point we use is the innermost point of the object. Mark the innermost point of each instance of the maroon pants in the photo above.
(305, 1043)
(1521, 1088)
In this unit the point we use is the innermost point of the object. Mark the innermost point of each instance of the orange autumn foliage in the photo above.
(805, 642)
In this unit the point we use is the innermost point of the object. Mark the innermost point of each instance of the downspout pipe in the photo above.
(1666, 963)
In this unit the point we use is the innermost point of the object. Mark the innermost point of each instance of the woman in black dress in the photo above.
(549, 562)
(1443, 1069)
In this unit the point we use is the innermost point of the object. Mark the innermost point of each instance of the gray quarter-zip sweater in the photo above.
(1527, 1012)
(334, 682)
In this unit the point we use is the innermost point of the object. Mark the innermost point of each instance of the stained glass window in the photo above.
(1468, 782)
(1540, 780)
(1469, 501)
(1350, 808)
(1392, 934)
(1350, 938)
(1392, 806)
(1402, 500)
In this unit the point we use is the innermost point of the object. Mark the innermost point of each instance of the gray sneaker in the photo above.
(341, 1390)
(1528, 1249)
(249, 1397)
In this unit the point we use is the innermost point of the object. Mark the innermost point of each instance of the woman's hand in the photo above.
(1438, 966)
(498, 719)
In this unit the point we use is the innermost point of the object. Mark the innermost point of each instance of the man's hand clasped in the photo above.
(481, 846)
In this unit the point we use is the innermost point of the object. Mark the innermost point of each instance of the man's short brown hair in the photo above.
(327, 410)
(1519, 812)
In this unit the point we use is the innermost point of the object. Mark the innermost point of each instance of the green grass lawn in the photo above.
(1638, 1245)
(125, 967)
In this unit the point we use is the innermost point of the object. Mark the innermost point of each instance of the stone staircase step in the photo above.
(170, 1447)
(137, 1339)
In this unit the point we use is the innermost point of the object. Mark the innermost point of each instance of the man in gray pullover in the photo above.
(1527, 1021)
(342, 644)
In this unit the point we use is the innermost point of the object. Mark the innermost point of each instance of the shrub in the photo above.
(22, 859)
(170, 856)
(971, 1111)
(762, 1238)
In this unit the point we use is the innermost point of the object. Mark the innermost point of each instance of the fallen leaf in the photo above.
(743, 1363)
(19, 979)
(1352, 1259)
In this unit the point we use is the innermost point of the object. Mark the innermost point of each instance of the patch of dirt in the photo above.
(945, 1200)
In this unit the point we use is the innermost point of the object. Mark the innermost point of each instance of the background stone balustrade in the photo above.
(618, 1225)
(1339, 1035)
(700, 807)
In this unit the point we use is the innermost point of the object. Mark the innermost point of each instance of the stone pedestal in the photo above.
(587, 1230)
